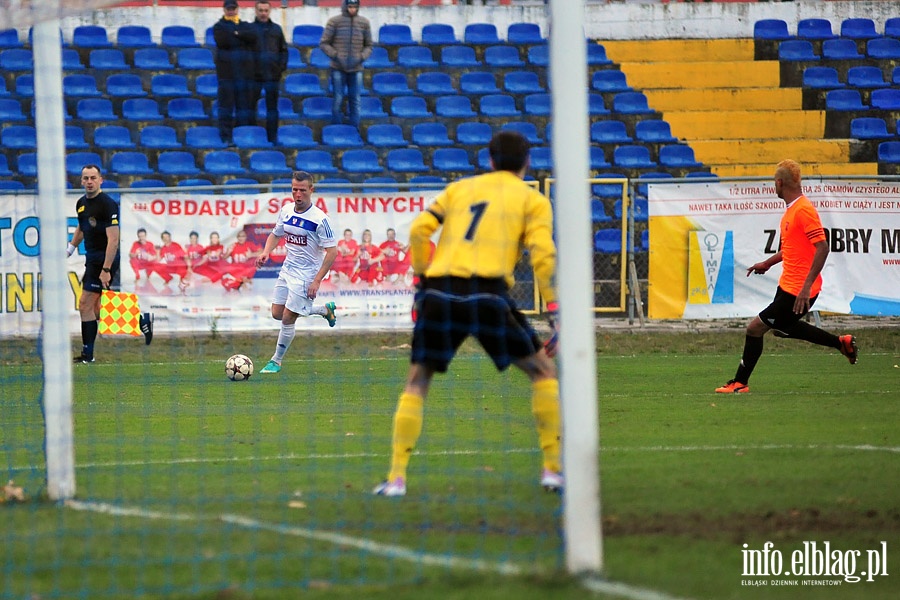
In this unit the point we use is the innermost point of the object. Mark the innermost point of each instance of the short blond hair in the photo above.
(789, 172)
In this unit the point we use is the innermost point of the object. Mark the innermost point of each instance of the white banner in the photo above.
(704, 237)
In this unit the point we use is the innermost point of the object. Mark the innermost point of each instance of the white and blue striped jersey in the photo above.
(306, 235)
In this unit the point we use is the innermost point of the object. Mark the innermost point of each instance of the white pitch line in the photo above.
(623, 590)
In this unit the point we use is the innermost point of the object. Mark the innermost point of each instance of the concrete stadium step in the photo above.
(701, 75)
(725, 152)
(746, 124)
(683, 50)
(766, 98)
(808, 169)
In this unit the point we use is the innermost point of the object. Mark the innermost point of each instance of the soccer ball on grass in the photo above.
(239, 367)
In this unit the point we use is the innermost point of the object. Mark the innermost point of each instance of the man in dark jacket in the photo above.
(347, 41)
(235, 47)
(271, 62)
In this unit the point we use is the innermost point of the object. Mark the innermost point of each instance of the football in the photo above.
(239, 367)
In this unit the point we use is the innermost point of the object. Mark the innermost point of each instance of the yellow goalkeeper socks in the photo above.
(545, 408)
(407, 428)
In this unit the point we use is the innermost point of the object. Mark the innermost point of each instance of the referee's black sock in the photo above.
(88, 337)
(753, 347)
(810, 333)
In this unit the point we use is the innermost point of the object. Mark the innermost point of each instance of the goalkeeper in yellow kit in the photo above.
(486, 222)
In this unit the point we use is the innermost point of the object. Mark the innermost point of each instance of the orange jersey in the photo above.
(801, 228)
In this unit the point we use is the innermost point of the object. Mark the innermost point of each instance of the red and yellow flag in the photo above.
(120, 313)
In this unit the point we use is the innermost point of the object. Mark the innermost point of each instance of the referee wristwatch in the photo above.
(105, 270)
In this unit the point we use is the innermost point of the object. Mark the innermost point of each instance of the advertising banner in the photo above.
(704, 237)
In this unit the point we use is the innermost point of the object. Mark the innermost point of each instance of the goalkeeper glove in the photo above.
(552, 345)
(419, 283)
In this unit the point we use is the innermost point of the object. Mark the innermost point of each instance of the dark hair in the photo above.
(193, 233)
(92, 166)
(509, 151)
(302, 176)
(165, 233)
(142, 230)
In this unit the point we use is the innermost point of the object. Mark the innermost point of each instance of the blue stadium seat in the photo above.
(541, 158)
(90, 36)
(430, 134)
(335, 185)
(428, 182)
(608, 241)
(75, 138)
(179, 36)
(610, 132)
(134, 36)
(75, 161)
(537, 105)
(869, 128)
(821, 78)
(71, 61)
(130, 163)
(361, 161)
(95, 109)
(454, 106)
(866, 77)
(416, 57)
(598, 212)
(125, 85)
(390, 84)
(524, 33)
(460, 57)
(406, 160)
(169, 85)
(522, 82)
(886, 99)
(316, 107)
(318, 59)
(25, 85)
(18, 137)
(631, 103)
(207, 85)
(160, 137)
(152, 59)
(141, 109)
(147, 183)
(196, 59)
(814, 29)
(108, 59)
(379, 59)
(771, 29)
(307, 35)
(285, 107)
(610, 80)
(26, 164)
(596, 105)
(177, 162)
(315, 161)
(883, 49)
(16, 59)
(341, 136)
(80, 86)
(209, 40)
(654, 131)
(452, 160)
(438, 34)
(203, 136)
(632, 157)
(539, 56)
(503, 57)
(858, 29)
(10, 185)
(678, 156)
(395, 34)
(186, 109)
(892, 27)
(794, 50)
(370, 107)
(3, 90)
(410, 107)
(434, 83)
(9, 38)
(844, 100)
(295, 59)
(478, 83)
(385, 185)
(698, 175)
(11, 110)
(386, 136)
(499, 105)
(481, 33)
(248, 137)
(474, 133)
(112, 137)
(840, 49)
(484, 159)
(296, 136)
(241, 182)
(598, 158)
(526, 128)
(223, 162)
(889, 152)
(193, 182)
(596, 55)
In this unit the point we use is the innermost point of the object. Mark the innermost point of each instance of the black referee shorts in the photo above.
(780, 315)
(92, 269)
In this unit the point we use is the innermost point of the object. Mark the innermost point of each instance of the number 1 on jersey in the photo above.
(477, 211)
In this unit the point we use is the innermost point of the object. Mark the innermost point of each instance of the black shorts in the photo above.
(454, 308)
(780, 315)
(92, 269)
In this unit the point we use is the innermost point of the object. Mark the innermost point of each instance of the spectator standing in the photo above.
(347, 41)
(235, 49)
(271, 62)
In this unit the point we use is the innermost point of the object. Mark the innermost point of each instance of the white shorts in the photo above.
(292, 295)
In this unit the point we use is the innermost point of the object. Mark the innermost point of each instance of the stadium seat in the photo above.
(179, 36)
(71, 61)
(428, 182)
(892, 27)
(610, 80)
(697, 175)
(18, 137)
(169, 85)
(610, 132)
(539, 56)
(295, 59)
(223, 162)
(395, 34)
(193, 182)
(196, 59)
(522, 82)
(80, 86)
(370, 107)
(315, 161)
(883, 49)
(127, 85)
(499, 105)
(438, 34)
(177, 162)
(677, 156)
(598, 212)
(75, 161)
(9, 38)
(386, 136)
(209, 40)
(390, 84)
(537, 105)
(452, 160)
(524, 33)
(895, 77)
(380, 185)
(285, 107)
(460, 57)
(249, 137)
(341, 136)
(631, 103)
(3, 89)
(134, 36)
(335, 185)
(318, 59)
(316, 107)
(108, 59)
(207, 85)
(11, 110)
(866, 77)
(632, 157)
(186, 109)
(795, 50)
(161, 137)
(858, 29)
(596, 55)
(152, 59)
(821, 78)
(596, 105)
(597, 157)
(889, 152)
(814, 29)
(90, 36)
(430, 134)
(379, 59)
(147, 183)
(653, 131)
(608, 241)
(361, 161)
(474, 133)
(410, 107)
(541, 158)
(771, 29)
(10, 185)
(296, 136)
(141, 109)
(526, 128)
(95, 109)
(113, 137)
(844, 100)
(839, 49)
(204, 137)
(434, 83)
(454, 106)
(478, 83)
(416, 57)
(307, 35)
(869, 128)
(75, 138)
(26, 164)
(503, 57)
(25, 86)
(887, 99)
(484, 159)
(16, 59)
(406, 160)
(481, 33)
(130, 163)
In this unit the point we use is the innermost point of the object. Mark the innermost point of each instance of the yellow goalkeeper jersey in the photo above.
(486, 222)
